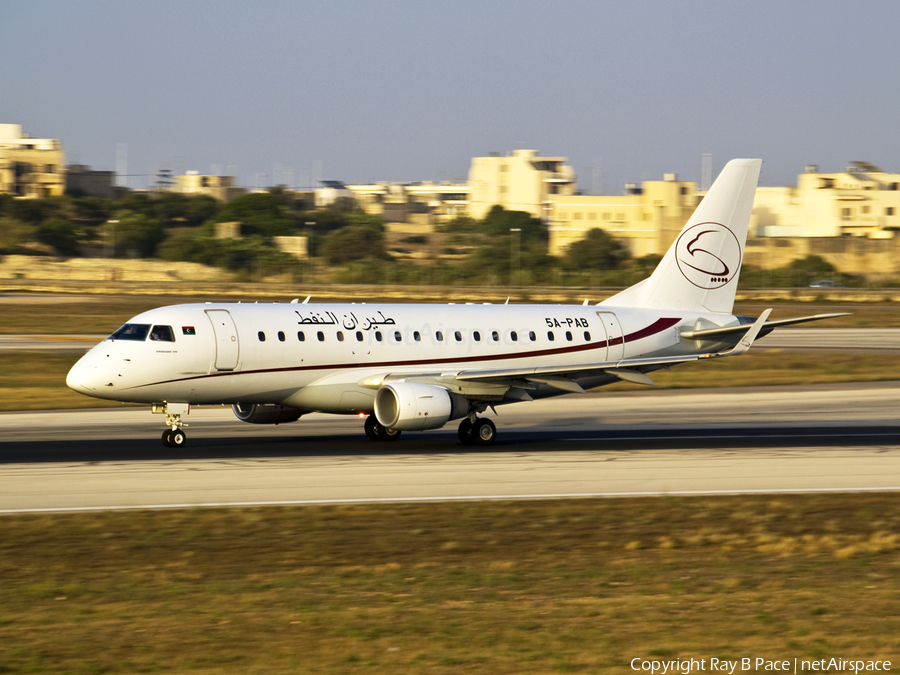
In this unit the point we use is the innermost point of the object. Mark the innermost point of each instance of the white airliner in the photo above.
(417, 367)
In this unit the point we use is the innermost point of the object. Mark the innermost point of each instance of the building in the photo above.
(862, 201)
(646, 218)
(221, 188)
(30, 167)
(81, 180)
(423, 203)
(330, 192)
(522, 181)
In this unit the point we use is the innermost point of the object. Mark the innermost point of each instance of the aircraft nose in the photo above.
(82, 375)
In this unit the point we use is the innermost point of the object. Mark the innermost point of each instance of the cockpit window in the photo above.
(132, 331)
(162, 334)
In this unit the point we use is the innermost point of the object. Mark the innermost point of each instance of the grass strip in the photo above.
(493, 587)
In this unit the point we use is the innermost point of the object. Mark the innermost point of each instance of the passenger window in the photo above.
(378, 336)
(514, 336)
(301, 336)
(397, 335)
(532, 336)
(359, 336)
(416, 336)
(340, 336)
(587, 336)
(321, 336)
(477, 336)
(569, 335)
(495, 336)
(281, 336)
(550, 335)
(458, 336)
(439, 336)
(162, 334)
(261, 336)
(132, 331)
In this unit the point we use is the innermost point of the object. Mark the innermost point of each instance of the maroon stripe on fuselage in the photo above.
(656, 327)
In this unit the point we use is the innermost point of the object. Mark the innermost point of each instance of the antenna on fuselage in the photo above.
(305, 302)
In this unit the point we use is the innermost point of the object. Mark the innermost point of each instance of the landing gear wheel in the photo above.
(371, 427)
(166, 438)
(465, 432)
(484, 432)
(376, 432)
(177, 438)
(385, 434)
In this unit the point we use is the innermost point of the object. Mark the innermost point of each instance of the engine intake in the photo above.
(414, 407)
(265, 413)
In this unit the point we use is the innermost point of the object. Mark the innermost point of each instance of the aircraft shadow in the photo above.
(436, 443)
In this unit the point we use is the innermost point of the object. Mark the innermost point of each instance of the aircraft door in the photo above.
(614, 337)
(227, 346)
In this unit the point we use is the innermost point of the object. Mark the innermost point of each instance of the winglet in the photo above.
(747, 341)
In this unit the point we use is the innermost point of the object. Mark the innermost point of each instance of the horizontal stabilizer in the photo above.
(712, 333)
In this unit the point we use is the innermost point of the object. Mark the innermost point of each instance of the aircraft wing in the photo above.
(559, 376)
(711, 333)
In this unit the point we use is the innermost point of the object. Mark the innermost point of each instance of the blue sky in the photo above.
(411, 90)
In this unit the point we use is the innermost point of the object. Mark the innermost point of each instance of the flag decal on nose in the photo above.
(188, 330)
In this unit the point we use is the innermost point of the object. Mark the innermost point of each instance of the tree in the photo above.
(138, 233)
(499, 221)
(354, 242)
(60, 234)
(258, 213)
(599, 250)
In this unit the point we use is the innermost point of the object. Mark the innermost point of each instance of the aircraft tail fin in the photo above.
(700, 270)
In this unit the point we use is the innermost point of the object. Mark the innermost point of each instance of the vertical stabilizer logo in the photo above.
(708, 255)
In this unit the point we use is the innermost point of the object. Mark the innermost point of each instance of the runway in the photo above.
(774, 439)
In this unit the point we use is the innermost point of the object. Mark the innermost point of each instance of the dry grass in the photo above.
(522, 587)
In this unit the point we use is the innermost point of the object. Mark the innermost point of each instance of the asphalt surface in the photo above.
(773, 439)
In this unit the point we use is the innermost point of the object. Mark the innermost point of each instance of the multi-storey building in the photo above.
(646, 218)
(30, 167)
(862, 201)
(522, 181)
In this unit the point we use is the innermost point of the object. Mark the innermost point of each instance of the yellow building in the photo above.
(218, 187)
(522, 181)
(647, 219)
(862, 201)
(30, 167)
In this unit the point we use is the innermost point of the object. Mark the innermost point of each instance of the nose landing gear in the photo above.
(175, 436)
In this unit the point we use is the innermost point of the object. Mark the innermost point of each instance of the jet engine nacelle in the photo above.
(408, 406)
(264, 413)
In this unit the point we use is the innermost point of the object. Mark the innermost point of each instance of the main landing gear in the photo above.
(376, 432)
(477, 431)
